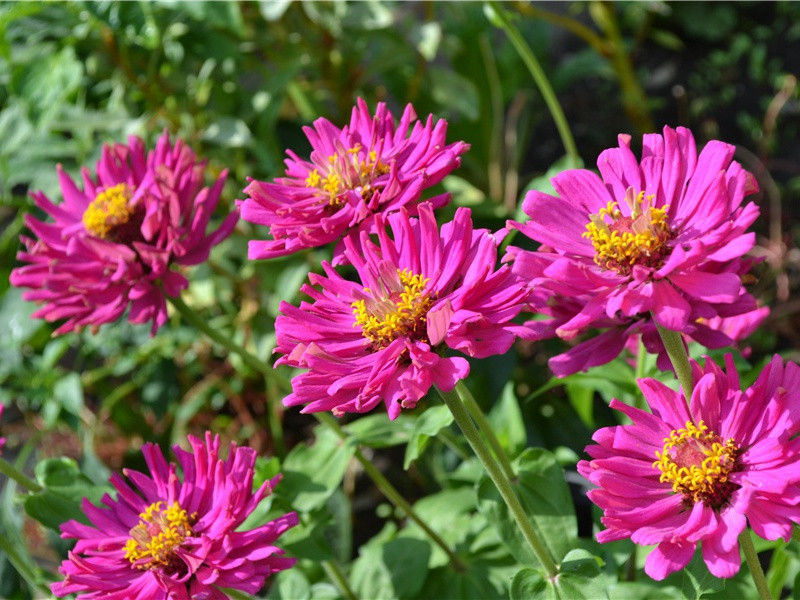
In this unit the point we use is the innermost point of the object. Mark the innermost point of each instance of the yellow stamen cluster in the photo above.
(108, 210)
(159, 532)
(697, 463)
(351, 170)
(402, 313)
(640, 238)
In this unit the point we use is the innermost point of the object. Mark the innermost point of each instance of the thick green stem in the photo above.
(391, 493)
(680, 361)
(545, 89)
(10, 471)
(335, 574)
(503, 484)
(486, 429)
(746, 543)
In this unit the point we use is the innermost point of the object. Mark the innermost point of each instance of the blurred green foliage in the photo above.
(237, 80)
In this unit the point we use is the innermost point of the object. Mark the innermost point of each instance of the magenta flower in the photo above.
(171, 539)
(369, 166)
(658, 241)
(113, 243)
(675, 478)
(380, 338)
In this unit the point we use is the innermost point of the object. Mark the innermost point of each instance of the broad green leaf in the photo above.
(378, 431)
(312, 473)
(546, 499)
(393, 569)
(506, 420)
(291, 584)
(427, 425)
(65, 487)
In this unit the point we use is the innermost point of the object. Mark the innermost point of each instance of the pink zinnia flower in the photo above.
(380, 338)
(675, 478)
(367, 167)
(113, 243)
(167, 538)
(659, 241)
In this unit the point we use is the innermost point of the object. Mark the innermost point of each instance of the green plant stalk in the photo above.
(377, 477)
(273, 380)
(486, 429)
(503, 484)
(545, 89)
(680, 361)
(391, 493)
(249, 359)
(634, 100)
(10, 471)
(335, 574)
(746, 543)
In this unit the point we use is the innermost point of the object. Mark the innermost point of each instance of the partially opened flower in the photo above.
(113, 244)
(677, 478)
(659, 240)
(381, 338)
(368, 166)
(164, 537)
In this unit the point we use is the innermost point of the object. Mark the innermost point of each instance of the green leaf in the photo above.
(393, 569)
(506, 419)
(546, 499)
(291, 584)
(528, 584)
(582, 400)
(427, 425)
(444, 582)
(378, 431)
(312, 473)
(68, 393)
(65, 487)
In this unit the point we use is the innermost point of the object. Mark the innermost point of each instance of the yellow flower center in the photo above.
(399, 311)
(697, 463)
(159, 532)
(108, 210)
(621, 242)
(351, 170)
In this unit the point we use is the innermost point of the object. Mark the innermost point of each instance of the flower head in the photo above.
(112, 244)
(166, 538)
(681, 476)
(369, 166)
(380, 338)
(653, 241)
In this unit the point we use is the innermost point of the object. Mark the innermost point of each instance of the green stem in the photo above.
(335, 574)
(486, 429)
(503, 484)
(673, 342)
(391, 493)
(746, 543)
(21, 566)
(545, 89)
(7, 469)
(198, 322)
(274, 381)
